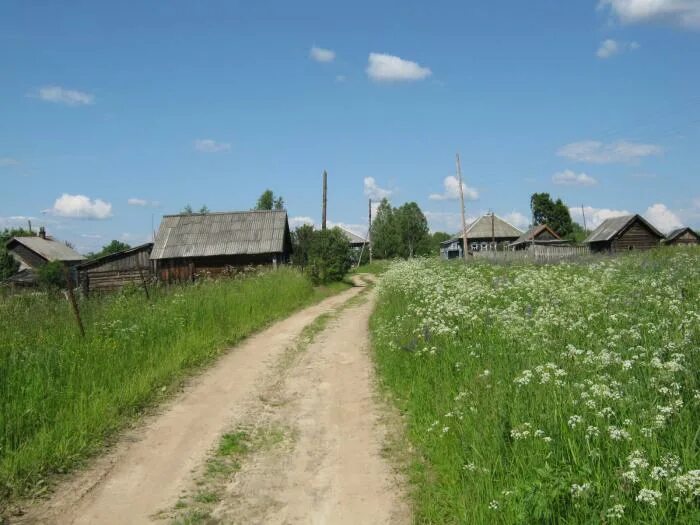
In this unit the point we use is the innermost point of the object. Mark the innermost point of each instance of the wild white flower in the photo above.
(592, 432)
(494, 505)
(578, 490)
(618, 434)
(575, 420)
(631, 476)
(658, 473)
(648, 496)
(524, 378)
(636, 460)
(615, 512)
(688, 484)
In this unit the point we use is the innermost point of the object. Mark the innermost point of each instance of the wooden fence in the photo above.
(535, 252)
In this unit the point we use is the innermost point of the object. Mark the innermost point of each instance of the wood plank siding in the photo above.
(27, 256)
(114, 271)
(636, 237)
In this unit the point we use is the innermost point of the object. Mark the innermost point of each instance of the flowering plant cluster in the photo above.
(554, 393)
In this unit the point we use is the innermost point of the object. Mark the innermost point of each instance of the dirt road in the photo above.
(332, 472)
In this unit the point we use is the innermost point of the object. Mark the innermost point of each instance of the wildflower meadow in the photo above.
(547, 394)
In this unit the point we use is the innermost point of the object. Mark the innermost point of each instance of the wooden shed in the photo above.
(682, 237)
(188, 245)
(541, 234)
(111, 272)
(488, 233)
(628, 232)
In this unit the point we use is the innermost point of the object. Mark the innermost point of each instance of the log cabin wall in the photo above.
(636, 237)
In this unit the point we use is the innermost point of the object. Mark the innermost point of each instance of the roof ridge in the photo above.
(222, 213)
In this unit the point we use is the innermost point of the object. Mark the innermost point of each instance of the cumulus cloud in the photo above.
(69, 97)
(449, 222)
(569, 178)
(594, 216)
(322, 55)
(8, 161)
(373, 191)
(517, 219)
(685, 13)
(211, 146)
(295, 222)
(451, 185)
(80, 207)
(596, 152)
(663, 218)
(609, 48)
(390, 68)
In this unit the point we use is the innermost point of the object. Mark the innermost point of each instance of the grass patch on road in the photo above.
(62, 395)
(547, 394)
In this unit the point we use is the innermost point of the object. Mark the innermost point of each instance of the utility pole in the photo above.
(369, 232)
(325, 196)
(584, 219)
(464, 219)
(493, 231)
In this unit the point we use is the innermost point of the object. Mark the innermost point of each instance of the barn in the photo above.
(541, 234)
(488, 233)
(682, 237)
(628, 232)
(188, 245)
(113, 271)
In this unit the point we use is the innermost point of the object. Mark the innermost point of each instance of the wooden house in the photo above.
(33, 252)
(488, 233)
(541, 234)
(187, 245)
(113, 271)
(682, 237)
(618, 234)
(356, 242)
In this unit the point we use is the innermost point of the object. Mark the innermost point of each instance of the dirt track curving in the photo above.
(332, 472)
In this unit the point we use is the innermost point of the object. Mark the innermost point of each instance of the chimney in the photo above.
(42, 232)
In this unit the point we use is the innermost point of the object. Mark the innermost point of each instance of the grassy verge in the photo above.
(62, 395)
(547, 394)
(378, 267)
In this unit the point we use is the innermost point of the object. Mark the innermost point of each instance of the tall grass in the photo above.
(61, 395)
(547, 394)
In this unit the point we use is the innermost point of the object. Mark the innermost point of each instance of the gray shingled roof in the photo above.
(49, 249)
(481, 229)
(609, 228)
(229, 233)
(353, 238)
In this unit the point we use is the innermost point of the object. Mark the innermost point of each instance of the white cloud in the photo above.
(664, 219)
(594, 216)
(322, 55)
(569, 178)
(597, 152)
(135, 201)
(390, 68)
(8, 161)
(685, 13)
(294, 222)
(609, 48)
(69, 97)
(517, 219)
(80, 207)
(340, 78)
(451, 184)
(449, 222)
(373, 191)
(91, 236)
(211, 146)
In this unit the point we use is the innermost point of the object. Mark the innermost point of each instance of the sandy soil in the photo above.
(332, 473)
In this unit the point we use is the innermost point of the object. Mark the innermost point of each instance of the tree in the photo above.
(431, 245)
(113, 247)
(412, 227)
(204, 209)
(385, 235)
(8, 265)
(555, 214)
(329, 256)
(52, 275)
(302, 237)
(187, 210)
(279, 203)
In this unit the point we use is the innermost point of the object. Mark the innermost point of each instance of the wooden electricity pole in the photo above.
(369, 232)
(584, 219)
(325, 196)
(464, 218)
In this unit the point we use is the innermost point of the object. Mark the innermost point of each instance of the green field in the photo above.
(547, 394)
(62, 395)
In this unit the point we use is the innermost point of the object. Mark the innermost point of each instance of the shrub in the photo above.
(52, 275)
(329, 256)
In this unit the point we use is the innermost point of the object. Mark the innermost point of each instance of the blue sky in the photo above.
(115, 113)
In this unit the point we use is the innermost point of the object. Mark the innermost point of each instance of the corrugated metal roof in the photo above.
(48, 248)
(353, 238)
(482, 228)
(609, 228)
(227, 233)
